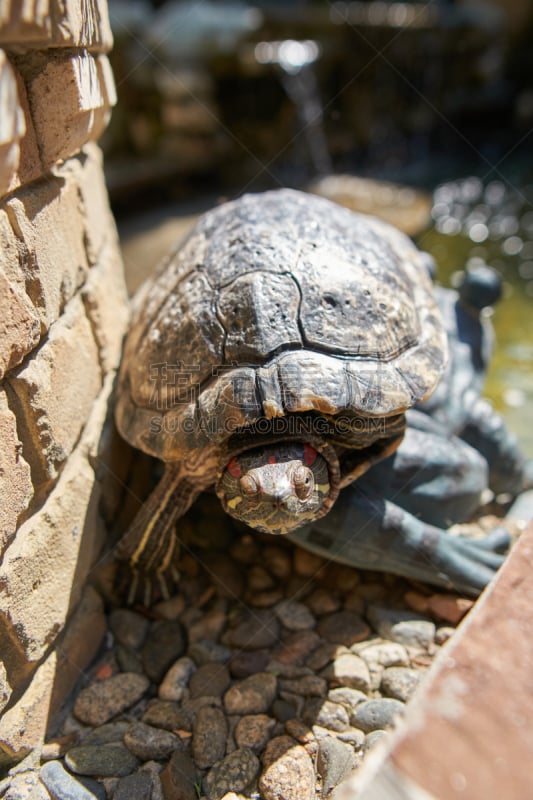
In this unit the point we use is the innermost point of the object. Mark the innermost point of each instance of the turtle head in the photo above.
(279, 487)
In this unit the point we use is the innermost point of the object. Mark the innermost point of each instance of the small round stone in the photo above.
(376, 714)
(112, 760)
(210, 679)
(297, 647)
(253, 695)
(105, 734)
(329, 715)
(343, 627)
(166, 642)
(175, 682)
(350, 670)
(234, 773)
(336, 760)
(149, 743)
(206, 650)
(129, 628)
(288, 772)
(372, 738)
(248, 662)
(167, 715)
(61, 784)
(209, 735)
(294, 616)
(180, 779)
(138, 786)
(400, 682)
(103, 700)
(323, 601)
(277, 560)
(254, 731)
(402, 626)
(255, 630)
(347, 697)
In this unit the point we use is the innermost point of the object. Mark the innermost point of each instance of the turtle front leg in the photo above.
(150, 546)
(366, 531)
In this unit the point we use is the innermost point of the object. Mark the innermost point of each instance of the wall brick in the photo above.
(56, 23)
(29, 166)
(53, 393)
(78, 646)
(66, 101)
(45, 568)
(105, 299)
(48, 219)
(16, 488)
(25, 21)
(12, 124)
(23, 726)
(20, 327)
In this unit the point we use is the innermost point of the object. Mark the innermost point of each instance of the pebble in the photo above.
(332, 716)
(149, 743)
(336, 760)
(113, 760)
(403, 627)
(354, 737)
(255, 630)
(443, 633)
(206, 650)
(254, 731)
(307, 564)
(167, 715)
(129, 628)
(386, 654)
(103, 700)
(253, 695)
(210, 679)
(234, 773)
(323, 601)
(180, 779)
(376, 714)
(308, 686)
(128, 660)
(372, 738)
(347, 697)
(134, 787)
(209, 736)
(25, 786)
(294, 616)
(343, 627)
(248, 662)
(297, 647)
(105, 734)
(258, 579)
(61, 784)
(166, 642)
(174, 684)
(288, 772)
(400, 682)
(348, 670)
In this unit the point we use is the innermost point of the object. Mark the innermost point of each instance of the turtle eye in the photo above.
(248, 485)
(303, 482)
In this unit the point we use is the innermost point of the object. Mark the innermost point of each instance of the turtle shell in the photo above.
(277, 303)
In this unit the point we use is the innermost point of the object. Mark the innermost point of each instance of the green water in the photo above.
(494, 223)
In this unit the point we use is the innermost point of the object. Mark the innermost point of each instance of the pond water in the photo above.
(494, 223)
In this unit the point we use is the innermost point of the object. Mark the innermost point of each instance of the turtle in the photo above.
(275, 356)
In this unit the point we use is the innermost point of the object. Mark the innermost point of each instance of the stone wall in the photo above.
(63, 311)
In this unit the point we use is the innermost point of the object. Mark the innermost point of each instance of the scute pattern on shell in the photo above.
(277, 303)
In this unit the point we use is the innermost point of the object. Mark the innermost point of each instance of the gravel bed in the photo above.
(269, 674)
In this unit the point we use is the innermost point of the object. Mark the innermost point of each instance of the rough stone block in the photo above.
(65, 97)
(53, 393)
(109, 92)
(23, 726)
(29, 166)
(45, 568)
(5, 688)
(20, 327)
(100, 226)
(59, 23)
(25, 22)
(48, 220)
(78, 646)
(15, 480)
(106, 304)
(12, 124)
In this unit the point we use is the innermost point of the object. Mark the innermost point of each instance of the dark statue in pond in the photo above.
(291, 355)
